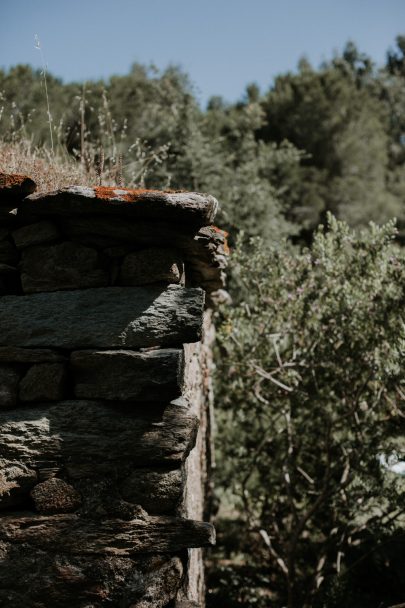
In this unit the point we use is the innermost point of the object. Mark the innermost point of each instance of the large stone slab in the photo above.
(92, 439)
(113, 317)
(79, 536)
(62, 266)
(126, 375)
(191, 208)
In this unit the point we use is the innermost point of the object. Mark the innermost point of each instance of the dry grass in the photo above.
(60, 170)
(49, 173)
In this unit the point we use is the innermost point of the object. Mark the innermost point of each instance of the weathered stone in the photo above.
(114, 317)
(14, 354)
(58, 267)
(9, 379)
(126, 375)
(16, 480)
(205, 250)
(8, 253)
(152, 265)
(34, 234)
(62, 580)
(159, 491)
(43, 382)
(101, 499)
(91, 438)
(55, 496)
(15, 186)
(188, 207)
(80, 536)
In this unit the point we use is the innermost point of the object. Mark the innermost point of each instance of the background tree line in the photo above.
(310, 383)
(325, 139)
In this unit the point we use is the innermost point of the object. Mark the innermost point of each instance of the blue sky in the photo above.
(222, 44)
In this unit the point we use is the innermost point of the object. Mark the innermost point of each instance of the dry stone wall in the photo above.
(105, 398)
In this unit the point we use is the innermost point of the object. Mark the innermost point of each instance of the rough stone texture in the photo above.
(205, 250)
(35, 234)
(63, 266)
(114, 317)
(9, 378)
(44, 382)
(65, 581)
(126, 375)
(188, 207)
(101, 499)
(158, 491)
(89, 438)
(16, 480)
(151, 265)
(127, 454)
(11, 354)
(55, 496)
(80, 536)
(197, 468)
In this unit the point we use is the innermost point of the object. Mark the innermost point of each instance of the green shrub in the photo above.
(310, 382)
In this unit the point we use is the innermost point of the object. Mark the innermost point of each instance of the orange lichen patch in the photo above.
(14, 181)
(225, 235)
(110, 192)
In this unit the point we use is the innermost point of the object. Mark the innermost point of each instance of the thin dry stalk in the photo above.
(39, 48)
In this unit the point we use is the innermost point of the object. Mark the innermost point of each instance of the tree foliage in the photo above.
(312, 353)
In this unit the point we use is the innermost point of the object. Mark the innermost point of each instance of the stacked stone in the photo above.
(103, 387)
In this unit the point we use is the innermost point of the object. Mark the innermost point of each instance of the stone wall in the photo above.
(105, 398)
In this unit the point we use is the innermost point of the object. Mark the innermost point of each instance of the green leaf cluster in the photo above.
(311, 389)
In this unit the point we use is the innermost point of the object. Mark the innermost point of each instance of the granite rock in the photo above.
(152, 265)
(61, 267)
(43, 382)
(192, 208)
(55, 496)
(126, 375)
(113, 317)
